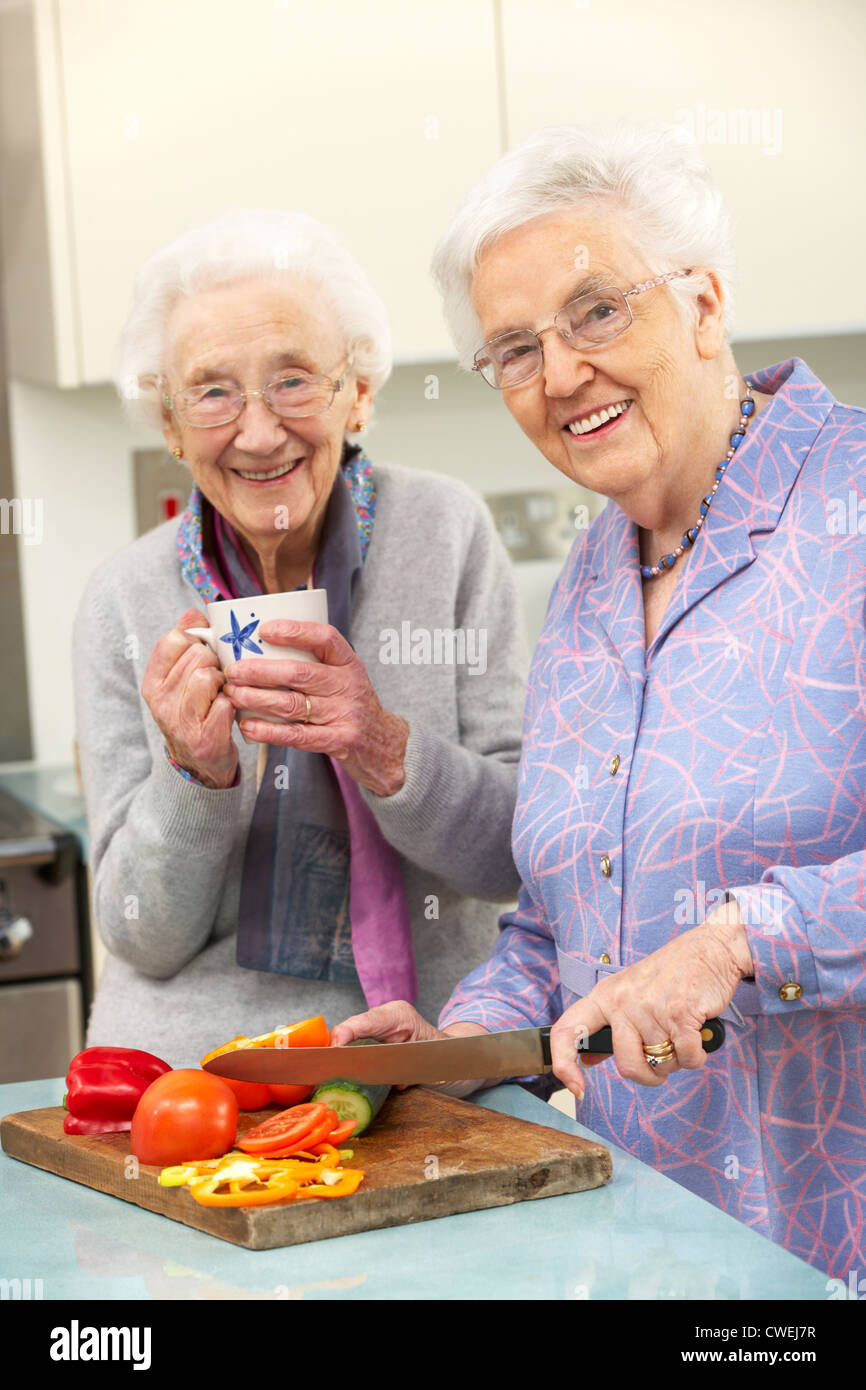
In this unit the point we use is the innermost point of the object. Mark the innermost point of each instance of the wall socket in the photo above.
(542, 525)
(162, 486)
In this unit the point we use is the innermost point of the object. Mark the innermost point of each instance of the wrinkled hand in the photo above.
(669, 994)
(346, 721)
(398, 1022)
(183, 689)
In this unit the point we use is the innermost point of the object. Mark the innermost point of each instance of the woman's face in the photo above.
(524, 278)
(247, 333)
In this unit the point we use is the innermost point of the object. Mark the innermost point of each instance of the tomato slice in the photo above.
(307, 1141)
(284, 1129)
(341, 1133)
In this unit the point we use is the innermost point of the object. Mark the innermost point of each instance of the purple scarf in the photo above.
(322, 894)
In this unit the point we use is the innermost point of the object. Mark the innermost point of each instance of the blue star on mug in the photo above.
(241, 638)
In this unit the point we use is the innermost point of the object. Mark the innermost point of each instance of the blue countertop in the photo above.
(640, 1237)
(53, 792)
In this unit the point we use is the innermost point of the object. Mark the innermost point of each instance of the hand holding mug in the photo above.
(183, 689)
(324, 704)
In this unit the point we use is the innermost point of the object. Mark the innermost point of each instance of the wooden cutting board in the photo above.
(426, 1155)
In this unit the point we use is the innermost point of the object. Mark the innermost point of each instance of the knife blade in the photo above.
(482, 1057)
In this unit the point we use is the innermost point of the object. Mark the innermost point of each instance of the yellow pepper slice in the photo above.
(181, 1173)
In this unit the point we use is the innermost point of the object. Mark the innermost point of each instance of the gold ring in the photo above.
(656, 1054)
(306, 718)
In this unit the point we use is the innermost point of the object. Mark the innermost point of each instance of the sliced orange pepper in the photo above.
(263, 1181)
(254, 1095)
(236, 1045)
(310, 1032)
(350, 1181)
(276, 1187)
(329, 1156)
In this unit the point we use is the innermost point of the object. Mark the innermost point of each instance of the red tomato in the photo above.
(184, 1115)
(290, 1095)
(251, 1095)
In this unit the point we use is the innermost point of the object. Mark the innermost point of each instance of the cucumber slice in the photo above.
(353, 1100)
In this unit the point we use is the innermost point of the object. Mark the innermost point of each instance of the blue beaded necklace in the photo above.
(667, 562)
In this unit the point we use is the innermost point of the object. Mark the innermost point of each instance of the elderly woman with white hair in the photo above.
(690, 824)
(359, 860)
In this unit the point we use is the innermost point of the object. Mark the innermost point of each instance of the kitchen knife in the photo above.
(516, 1052)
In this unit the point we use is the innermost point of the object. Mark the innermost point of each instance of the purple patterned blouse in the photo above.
(730, 755)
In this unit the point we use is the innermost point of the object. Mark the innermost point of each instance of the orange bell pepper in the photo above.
(255, 1095)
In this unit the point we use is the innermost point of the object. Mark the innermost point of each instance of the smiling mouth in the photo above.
(596, 420)
(257, 476)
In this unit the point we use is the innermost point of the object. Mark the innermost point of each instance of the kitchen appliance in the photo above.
(45, 965)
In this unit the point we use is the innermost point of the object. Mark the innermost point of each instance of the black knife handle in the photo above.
(712, 1037)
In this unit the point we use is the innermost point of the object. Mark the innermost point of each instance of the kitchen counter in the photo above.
(50, 791)
(640, 1237)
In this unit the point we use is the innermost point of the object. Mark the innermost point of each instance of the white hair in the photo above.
(238, 245)
(671, 212)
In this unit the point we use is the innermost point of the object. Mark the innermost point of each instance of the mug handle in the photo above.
(205, 635)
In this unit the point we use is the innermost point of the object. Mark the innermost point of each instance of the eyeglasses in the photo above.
(586, 322)
(291, 394)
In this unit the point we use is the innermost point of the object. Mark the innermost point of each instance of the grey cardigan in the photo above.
(167, 853)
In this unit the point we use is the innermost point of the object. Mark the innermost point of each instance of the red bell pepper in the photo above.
(104, 1085)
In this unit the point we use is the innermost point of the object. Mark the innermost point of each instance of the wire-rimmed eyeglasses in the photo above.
(588, 321)
(291, 394)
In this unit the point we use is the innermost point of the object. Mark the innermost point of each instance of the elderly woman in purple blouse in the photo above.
(691, 820)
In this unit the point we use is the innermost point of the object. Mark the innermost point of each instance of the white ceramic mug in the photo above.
(234, 624)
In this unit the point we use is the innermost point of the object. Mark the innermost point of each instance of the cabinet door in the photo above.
(373, 118)
(41, 1030)
(773, 94)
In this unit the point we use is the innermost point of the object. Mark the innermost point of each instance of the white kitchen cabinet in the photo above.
(124, 121)
(121, 122)
(774, 95)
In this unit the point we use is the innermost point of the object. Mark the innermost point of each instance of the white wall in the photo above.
(72, 450)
